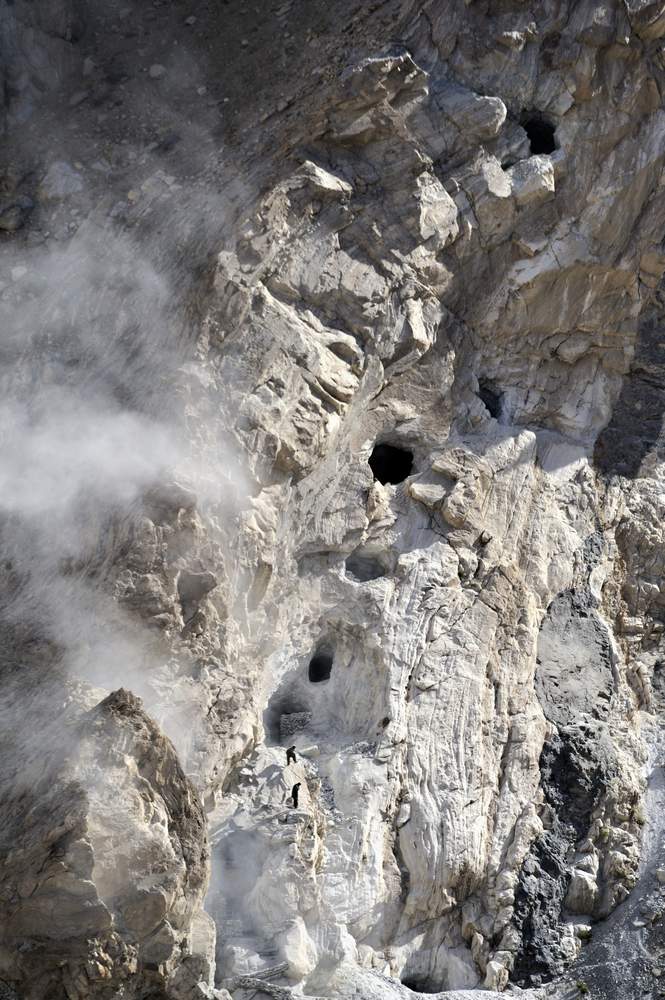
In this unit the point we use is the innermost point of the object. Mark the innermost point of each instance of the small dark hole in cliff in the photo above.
(419, 985)
(490, 396)
(320, 666)
(541, 134)
(364, 568)
(390, 464)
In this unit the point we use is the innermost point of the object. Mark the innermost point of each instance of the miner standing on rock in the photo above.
(294, 794)
(291, 755)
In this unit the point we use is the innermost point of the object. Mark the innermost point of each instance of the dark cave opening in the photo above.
(287, 712)
(320, 666)
(419, 985)
(363, 568)
(490, 396)
(541, 134)
(390, 464)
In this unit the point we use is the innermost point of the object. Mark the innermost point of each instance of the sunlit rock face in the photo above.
(106, 873)
(399, 507)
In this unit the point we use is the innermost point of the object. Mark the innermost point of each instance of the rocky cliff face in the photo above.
(107, 862)
(333, 380)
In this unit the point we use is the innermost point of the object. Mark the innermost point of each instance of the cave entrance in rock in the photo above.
(541, 134)
(420, 985)
(287, 712)
(320, 666)
(390, 464)
(363, 568)
(490, 396)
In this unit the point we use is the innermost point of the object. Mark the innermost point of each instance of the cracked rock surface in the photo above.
(333, 380)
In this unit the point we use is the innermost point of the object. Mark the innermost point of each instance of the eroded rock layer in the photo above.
(384, 343)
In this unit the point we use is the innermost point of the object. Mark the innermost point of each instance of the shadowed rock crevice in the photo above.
(635, 428)
(491, 397)
(541, 134)
(192, 589)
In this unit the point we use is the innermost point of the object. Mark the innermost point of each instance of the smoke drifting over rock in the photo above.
(331, 421)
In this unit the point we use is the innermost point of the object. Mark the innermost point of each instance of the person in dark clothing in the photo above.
(294, 794)
(290, 755)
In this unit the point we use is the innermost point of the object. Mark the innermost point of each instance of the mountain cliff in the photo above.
(333, 392)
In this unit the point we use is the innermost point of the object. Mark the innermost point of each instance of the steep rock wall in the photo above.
(449, 244)
(503, 515)
(105, 852)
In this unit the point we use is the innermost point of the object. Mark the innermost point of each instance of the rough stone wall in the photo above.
(452, 245)
(105, 853)
(420, 189)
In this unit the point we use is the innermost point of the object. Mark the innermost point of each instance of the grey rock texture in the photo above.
(574, 673)
(105, 852)
(333, 380)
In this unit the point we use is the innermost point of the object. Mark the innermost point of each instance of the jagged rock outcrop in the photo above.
(105, 854)
(424, 340)
(510, 507)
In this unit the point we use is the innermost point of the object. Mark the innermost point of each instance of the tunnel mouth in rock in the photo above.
(420, 984)
(320, 666)
(390, 463)
(491, 397)
(287, 712)
(361, 567)
(540, 132)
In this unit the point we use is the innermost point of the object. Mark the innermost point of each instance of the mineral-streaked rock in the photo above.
(412, 270)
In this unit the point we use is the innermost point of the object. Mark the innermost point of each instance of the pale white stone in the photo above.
(532, 180)
(376, 299)
(324, 180)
